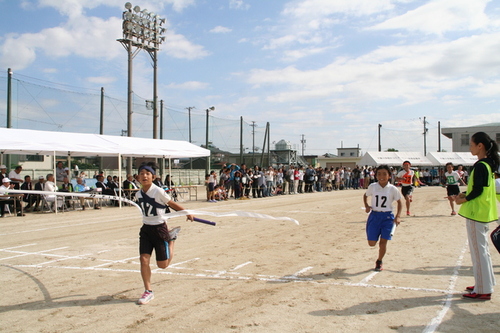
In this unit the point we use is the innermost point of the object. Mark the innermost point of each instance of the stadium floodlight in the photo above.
(141, 31)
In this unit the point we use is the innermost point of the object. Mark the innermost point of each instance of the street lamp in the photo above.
(141, 30)
(207, 168)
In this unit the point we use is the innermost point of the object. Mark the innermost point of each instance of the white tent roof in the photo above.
(442, 158)
(394, 158)
(32, 142)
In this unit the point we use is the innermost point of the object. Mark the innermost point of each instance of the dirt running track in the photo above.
(79, 271)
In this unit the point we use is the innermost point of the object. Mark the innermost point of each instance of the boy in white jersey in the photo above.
(452, 179)
(381, 218)
(154, 203)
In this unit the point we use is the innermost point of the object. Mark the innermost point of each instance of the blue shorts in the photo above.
(379, 224)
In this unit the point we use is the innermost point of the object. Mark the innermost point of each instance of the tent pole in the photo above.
(54, 172)
(120, 179)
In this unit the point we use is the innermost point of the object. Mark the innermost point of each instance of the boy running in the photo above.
(154, 234)
(405, 177)
(452, 181)
(381, 218)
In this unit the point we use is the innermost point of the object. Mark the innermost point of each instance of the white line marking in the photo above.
(266, 278)
(17, 247)
(302, 271)
(43, 253)
(110, 262)
(368, 278)
(436, 321)
(241, 265)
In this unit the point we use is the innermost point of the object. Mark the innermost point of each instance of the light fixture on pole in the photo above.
(207, 168)
(141, 30)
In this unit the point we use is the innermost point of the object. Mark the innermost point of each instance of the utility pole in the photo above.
(379, 140)
(189, 115)
(253, 142)
(425, 136)
(303, 142)
(439, 136)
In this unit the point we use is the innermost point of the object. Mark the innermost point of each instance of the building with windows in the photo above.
(460, 136)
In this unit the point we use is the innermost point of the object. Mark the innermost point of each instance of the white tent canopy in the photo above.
(442, 158)
(417, 159)
(394, 158)
(32, 142)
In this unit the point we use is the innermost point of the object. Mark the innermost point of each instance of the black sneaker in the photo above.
(378, 265)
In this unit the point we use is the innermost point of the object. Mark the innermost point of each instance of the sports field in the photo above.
(79, 271)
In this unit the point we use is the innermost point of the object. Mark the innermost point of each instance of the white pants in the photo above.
(484, 277)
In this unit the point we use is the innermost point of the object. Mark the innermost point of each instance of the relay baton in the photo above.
(393, 230)
(196, 219)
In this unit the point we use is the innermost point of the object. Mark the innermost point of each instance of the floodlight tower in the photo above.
(142, 30)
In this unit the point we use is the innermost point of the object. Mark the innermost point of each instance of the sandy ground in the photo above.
(78, 271)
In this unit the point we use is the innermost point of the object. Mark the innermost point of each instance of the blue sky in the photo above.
(329, 70)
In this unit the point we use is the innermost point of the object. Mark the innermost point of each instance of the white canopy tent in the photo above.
(441, 158)
(394, 158)
(32, 142)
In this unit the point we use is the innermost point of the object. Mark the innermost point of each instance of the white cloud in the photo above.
(309, 9)
(178, 46)
(103, 80)
(441, 16)
(238, 4)
(220, 30)
(410, 73)
(190, 85)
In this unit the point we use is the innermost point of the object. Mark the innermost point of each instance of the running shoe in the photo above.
(470, 288)
(479, 297)
(453, 213)
(408, 213)
(146, 297)
(174, 232)
(378, 265)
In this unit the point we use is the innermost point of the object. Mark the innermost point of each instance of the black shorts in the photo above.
(406, 190)
(154, 237)
(452, 190)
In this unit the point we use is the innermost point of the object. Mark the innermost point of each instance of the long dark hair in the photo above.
(490, 146)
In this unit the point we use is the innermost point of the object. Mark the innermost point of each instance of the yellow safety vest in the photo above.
(484, 207)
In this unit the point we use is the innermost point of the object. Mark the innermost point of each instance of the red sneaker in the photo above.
(480, 297)
(470, 288)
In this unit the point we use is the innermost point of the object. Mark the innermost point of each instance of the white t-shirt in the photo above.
(452, 178)
(150, 214)
(382, 197)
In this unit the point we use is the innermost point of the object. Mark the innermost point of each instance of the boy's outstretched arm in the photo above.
(368, 208)
(178, 207)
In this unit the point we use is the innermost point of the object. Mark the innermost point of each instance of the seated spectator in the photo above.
(3, 172)
(28, 186)
(66, 186)
(81, 187)
(6, 185)
(105, 189)
(158, 182)
(50, 186)
(40, 186)
(15, 177)
(129, 183)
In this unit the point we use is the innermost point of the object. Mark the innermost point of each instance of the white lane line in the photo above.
(17, 247)
(436, 321)
(241, 266)
(42, 253)
(82, 256)
(216, 274)
(59, 226)
(110, 262)
(368, 278)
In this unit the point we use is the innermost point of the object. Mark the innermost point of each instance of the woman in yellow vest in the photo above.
(479, 208)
